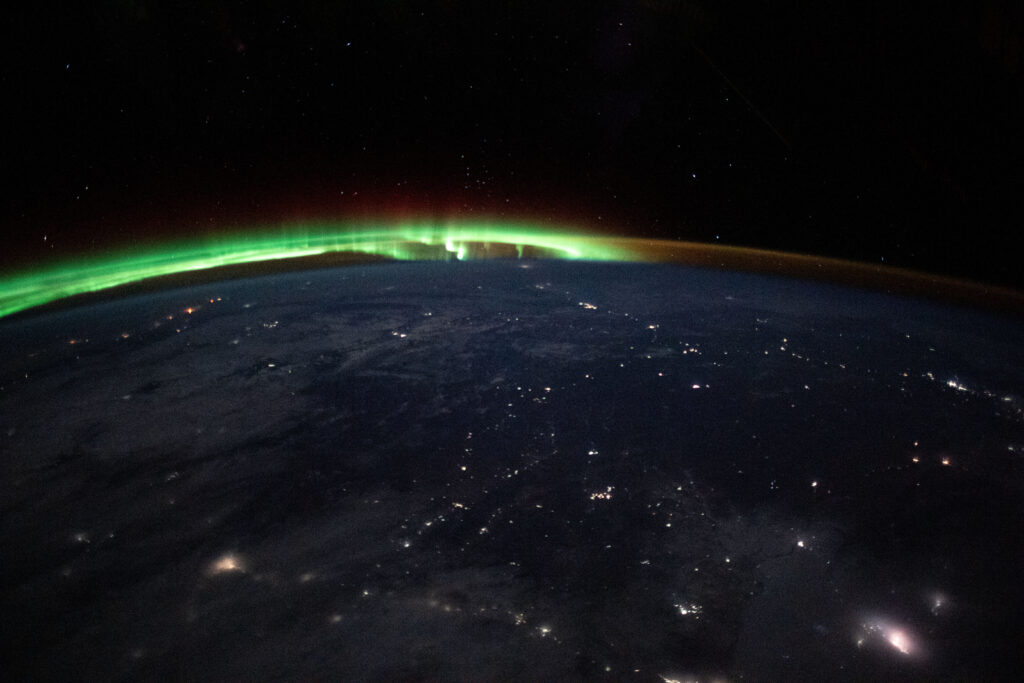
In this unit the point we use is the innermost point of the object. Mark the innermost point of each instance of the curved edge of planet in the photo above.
(114, 275)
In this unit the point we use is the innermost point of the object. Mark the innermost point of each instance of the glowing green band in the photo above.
(403, 242)
(431, 241)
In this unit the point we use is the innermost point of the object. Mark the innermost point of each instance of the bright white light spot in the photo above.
(800, 544)
(899, 640)
(226, 563)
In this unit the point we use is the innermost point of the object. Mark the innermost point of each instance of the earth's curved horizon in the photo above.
(118, 272)
(532, 470)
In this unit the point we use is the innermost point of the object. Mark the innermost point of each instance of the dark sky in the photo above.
(861, 130)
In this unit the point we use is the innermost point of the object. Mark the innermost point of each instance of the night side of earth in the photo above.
(575, 461)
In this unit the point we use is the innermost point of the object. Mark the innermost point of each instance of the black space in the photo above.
(865, 130)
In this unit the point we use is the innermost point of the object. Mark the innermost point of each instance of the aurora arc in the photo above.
(54, 281)
(46, 283)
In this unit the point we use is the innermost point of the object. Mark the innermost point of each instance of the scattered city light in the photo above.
(939, 603)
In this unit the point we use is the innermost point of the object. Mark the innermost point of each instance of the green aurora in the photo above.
(300, 244)
(53, 281)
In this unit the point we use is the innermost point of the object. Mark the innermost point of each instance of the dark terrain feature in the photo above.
(533, 470)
